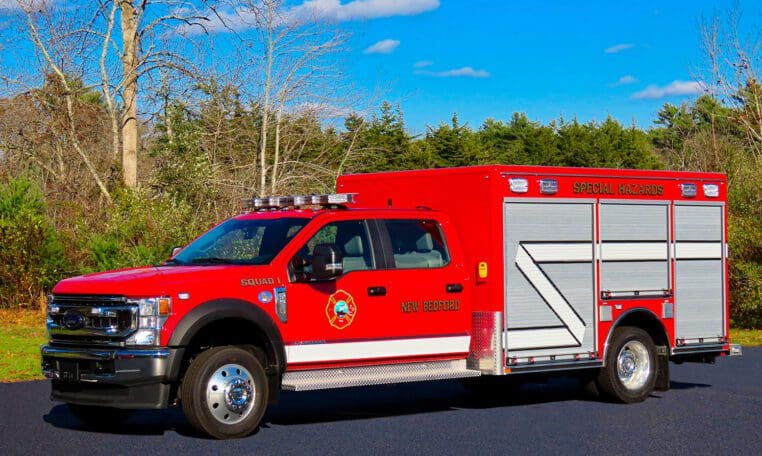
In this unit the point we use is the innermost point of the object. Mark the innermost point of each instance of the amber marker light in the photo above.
(481, 272)
(164, 306)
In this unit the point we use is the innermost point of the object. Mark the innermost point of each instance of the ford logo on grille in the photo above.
(72, 319)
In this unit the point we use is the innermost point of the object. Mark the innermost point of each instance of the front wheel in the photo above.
(224, 392)
(630, 372)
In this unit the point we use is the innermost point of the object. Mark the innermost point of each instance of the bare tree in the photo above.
(734, 70)
(143, 28)
(130, 69)
(298, 70)
(68, 96)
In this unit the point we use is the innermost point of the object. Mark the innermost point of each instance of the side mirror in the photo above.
(326, 262)
(175, 251)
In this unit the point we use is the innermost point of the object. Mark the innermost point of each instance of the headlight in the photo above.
(152, 314)
(51, 309)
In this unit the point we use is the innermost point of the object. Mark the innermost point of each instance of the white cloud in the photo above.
(360, 9)
(423, 64)
(625, 80)
(310, 10)
(618, 48)
(382, 47)
(464, 72)
(674, 89)
(8, 4)
(25, 4)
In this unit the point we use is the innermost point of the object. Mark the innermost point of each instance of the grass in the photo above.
(21, 334)
(746, 337)
(23, 331)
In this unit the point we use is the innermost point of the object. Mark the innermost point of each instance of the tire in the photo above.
(629, 375)
(99, 417)
(224, 392)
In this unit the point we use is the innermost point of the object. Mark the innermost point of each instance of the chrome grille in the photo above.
(91, 319)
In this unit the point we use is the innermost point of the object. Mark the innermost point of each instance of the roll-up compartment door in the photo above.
(699, 273)
(634, 255)
(549, 278)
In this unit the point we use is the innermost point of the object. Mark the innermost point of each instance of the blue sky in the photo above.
(486, 59)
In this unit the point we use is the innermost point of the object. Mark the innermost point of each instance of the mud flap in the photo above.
(662, 371)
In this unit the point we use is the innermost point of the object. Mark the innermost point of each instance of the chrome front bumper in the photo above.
(110, 366)
(125, 378)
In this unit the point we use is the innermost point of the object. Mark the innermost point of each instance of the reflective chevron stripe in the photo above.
(574, 328)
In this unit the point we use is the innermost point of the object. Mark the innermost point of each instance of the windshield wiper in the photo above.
(211, 260)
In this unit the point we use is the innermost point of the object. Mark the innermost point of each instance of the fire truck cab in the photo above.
(485, 271)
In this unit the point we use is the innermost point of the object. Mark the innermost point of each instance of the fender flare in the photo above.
(637, 310)
(209, 312)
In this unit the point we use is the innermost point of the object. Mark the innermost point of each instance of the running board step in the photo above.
(376, 375)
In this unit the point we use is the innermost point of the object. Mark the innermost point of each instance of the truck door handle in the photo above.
(454, 288)
(376, 291)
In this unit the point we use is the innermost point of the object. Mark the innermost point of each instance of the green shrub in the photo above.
(745, 294)
(31, 255)
(140, 229)
(745, 239)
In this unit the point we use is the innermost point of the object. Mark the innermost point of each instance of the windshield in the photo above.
(240, 242)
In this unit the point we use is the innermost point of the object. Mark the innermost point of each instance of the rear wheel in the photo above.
(224, 392)
(630, 372)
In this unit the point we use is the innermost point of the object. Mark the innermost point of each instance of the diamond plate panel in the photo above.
(375, 375)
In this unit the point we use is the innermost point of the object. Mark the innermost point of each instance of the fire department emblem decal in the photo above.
(341, 309)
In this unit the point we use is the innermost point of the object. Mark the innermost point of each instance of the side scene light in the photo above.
(548, 186)
(711, 190)
(518, 185)
(688, 190)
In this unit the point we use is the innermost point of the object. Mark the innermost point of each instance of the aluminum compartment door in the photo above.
(549, 278)
(634, 249)
(699, 273)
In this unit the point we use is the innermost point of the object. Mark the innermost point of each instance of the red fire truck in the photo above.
(485, 271)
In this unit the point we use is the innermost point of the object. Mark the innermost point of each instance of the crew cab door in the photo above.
(425, 287)
(375, 311)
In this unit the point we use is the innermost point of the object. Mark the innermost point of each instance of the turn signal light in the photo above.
(164, 306)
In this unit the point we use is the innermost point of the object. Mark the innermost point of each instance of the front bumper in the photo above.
(123, 378)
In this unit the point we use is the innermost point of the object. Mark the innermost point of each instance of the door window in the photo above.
(349, 237)
(417, 244)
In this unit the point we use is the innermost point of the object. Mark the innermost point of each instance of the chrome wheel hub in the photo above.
(633, 365)
(230, 393)
(237, 394)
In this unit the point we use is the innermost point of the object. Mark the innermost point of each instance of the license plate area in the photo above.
(68, 370)
(75, 370)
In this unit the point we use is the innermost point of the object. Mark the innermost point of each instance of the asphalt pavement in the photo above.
(710, 409)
